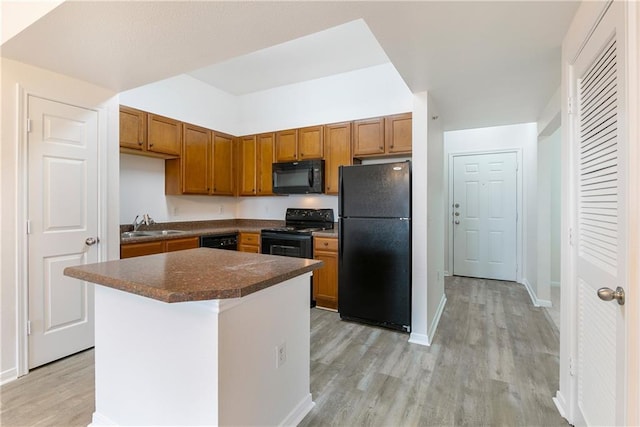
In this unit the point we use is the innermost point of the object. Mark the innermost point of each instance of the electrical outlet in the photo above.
(281, 354)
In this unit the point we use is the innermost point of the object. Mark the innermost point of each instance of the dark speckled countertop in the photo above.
(194, 274)
(210, 228)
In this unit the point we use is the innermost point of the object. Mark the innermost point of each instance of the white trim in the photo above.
(436, 318)
(537, 302)
(100, 420)
(298, 413)
(555, 283)
(8, 376)
(22, 256)
(561, 404)
(446, 273)
(519, 204)
(420, 339)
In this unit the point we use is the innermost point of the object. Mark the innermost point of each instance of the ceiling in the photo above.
(484, 63)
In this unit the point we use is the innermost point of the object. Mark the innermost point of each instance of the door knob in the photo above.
(91, 241)
(607, 294)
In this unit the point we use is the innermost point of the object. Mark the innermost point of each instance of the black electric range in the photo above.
(295, 238)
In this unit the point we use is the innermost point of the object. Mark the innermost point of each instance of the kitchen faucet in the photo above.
(146, 220)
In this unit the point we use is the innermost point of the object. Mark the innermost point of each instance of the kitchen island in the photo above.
(201, 337)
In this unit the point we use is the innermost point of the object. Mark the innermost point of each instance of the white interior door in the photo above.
(599, 154)
(63, 214)
(484, 217)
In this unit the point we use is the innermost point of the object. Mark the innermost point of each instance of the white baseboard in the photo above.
(423, 339)
(561, 405)
(8, 376)
(100, 420)
(537, 302)
(436, 319)
(555, 283)
(420, 339)
(446, 273)
(299, 412)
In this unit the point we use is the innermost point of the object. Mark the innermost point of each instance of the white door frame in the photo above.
(590, 14)
(519, 201)
(22, 315)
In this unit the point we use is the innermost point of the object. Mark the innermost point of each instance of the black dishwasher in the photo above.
(226, 241)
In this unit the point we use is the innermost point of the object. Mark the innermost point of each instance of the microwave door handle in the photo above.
(311, 178)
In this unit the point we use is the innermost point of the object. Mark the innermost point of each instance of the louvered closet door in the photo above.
(599, 156)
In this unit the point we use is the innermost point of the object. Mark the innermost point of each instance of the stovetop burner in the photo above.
(305, 221)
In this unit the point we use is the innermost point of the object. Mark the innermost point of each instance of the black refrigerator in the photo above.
(374, 256)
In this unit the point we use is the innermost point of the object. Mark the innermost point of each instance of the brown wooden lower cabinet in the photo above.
(249, 242)
(131, 250)
(325, 279)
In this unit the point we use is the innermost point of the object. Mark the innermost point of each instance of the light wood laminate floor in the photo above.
(493, 361)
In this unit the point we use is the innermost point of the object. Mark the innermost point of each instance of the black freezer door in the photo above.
(374, 271)
(375, 191)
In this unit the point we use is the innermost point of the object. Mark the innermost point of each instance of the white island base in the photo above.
(203, 363)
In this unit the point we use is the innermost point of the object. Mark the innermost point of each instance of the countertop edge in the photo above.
(169, 296)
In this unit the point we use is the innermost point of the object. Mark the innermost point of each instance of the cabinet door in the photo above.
(133, 128)
(249, 242)
(196, 154)
(337, 153)
(311, 142)
(164, 135)
(182, 244)
(248, 165)
(368, 137)
(398, 133)
(265, 143)
(286, 146)
(223, 170)
(139, 249)
(325, 279)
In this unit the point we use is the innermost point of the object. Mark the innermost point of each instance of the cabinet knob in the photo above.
(391, 145)
(382, 148)
(150, 145)
(140, 143)
(326, 243)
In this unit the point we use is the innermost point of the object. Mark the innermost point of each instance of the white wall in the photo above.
(53, 86)
(555, 183)
(436, 196)
(370, 92)
(520, 136)
(189, 100)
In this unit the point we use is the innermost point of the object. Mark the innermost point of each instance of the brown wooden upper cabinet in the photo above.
(311, 143)
(223, 174)
(206, 165)
(149, 134)
(247, 166)
(264, 163)
(337, 152)
(196, 160)
(133, 128)
(256, 159)
(299, 144)
(398, 138)
(382, 136)
(286, 145)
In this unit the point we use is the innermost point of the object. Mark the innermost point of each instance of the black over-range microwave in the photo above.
(303, 177)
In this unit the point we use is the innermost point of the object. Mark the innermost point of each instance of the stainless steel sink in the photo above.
(163, 232)
(150, 233)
